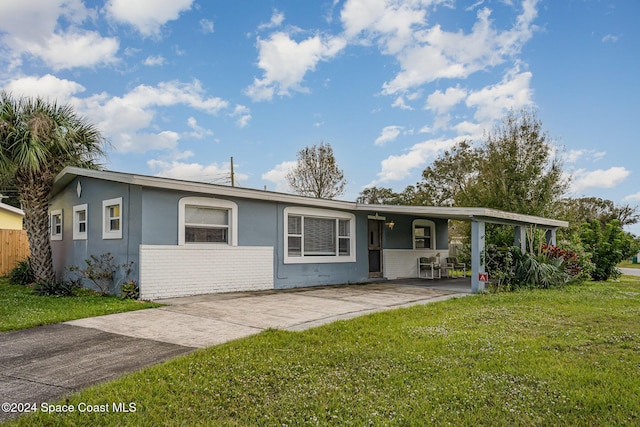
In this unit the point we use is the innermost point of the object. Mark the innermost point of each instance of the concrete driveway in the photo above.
(46, 363)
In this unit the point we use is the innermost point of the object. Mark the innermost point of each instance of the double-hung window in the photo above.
(424, 234)
(318, 236)
(112, 218)
(80, 222)
(207, 220)
(55, 223)
(203, 224)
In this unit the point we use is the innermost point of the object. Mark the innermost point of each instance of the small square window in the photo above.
(112, 218)
(55, 221)
(80, 222)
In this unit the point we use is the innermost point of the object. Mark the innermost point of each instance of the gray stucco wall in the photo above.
(73, 252)
(401, 237)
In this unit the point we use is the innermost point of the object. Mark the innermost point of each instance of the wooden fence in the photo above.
(14, 247)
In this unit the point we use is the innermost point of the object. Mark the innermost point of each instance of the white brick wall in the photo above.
(173, 271)
(403, 263)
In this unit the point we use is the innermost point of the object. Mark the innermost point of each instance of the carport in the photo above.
(478, 217)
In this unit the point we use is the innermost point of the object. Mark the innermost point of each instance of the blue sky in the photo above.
(180, 86)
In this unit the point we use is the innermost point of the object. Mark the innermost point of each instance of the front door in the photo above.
(374, 237)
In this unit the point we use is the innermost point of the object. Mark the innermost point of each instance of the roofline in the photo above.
(11, 209)
(69, 173)
(467, 214)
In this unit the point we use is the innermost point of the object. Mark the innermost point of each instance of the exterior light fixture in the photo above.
(390, 224)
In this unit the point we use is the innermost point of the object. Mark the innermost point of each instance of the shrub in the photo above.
(608, 245)
(509, 268)
(22, 273)
(101, 271)
(130, 290)
(56, 288)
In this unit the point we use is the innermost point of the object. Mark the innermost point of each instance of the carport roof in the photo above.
(456, 213)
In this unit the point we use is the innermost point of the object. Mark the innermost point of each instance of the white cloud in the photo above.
(213, 173)
(574, 155)
(242, 115)
(435, 53)
(388, 134)
(206, 26)
(389, 22)
(398, 167)
(122, 119)
(277, 175)
(285, 62)
(491, 102)
(401, 104)
(609, 38)
(276, 20)
(17, 17)
(635, 196)
(600, 178)
(58, 48)
(154, 60)
(147, 17)
(47, 87)
(197, 131)
(442, 102)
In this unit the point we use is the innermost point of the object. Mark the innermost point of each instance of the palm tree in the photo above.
(38, 138)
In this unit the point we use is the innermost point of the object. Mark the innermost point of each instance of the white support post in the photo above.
(477, 255)
(550, 236)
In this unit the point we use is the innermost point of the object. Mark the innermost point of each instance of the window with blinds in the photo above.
(206, 225)
(321, 238)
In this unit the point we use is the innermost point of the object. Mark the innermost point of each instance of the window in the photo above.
(112, 218)
(207, 220)
(317, 236)
(424, 234)
(55, 222)
(80, 222)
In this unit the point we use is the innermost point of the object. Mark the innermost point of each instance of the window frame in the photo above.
(77, 234)
(424, 223)
(52, 224)
(337, 216)
(212, 203)
(107, 232)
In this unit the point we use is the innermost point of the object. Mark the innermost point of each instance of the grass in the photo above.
(21, 308)
(628, 264)
(560, 357)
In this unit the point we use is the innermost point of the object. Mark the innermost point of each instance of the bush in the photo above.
(101, 272)
(22, 273)
(130, 290)
(608, 245)
(509, 268)
(57, 288)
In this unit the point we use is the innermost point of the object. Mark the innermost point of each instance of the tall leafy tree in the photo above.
(38, 138)
(450, 178)
(518, 170)
(514, 168)
(317, 174)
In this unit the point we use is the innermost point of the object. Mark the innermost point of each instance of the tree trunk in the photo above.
(34, 194)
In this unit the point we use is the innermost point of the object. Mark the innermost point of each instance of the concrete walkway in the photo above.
(46, 363)
(630, 271)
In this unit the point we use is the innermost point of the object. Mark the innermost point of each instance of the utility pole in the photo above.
(233, 180)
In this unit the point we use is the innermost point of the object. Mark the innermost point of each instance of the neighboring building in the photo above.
(188, 238)
(10, 217)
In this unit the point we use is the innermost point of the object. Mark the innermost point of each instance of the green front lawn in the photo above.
(21, 308)
(628, 264)
(561, 357)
